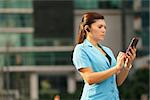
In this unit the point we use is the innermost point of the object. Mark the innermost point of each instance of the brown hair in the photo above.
(87, 19)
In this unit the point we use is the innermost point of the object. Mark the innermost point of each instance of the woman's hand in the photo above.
(120, 61)
(130, 56)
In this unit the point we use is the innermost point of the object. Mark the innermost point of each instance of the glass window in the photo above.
(12, 39)
(97, 4)
(53, 41)
(86, 4)
(53, 58)
(15, 3)
(15, 40)
(16, 20)
(40, 58)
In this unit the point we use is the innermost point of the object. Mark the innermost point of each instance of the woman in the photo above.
(96, 63)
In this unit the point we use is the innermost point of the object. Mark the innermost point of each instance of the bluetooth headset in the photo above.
(87, 28)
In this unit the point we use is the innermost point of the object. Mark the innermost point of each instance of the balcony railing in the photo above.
(54, 55)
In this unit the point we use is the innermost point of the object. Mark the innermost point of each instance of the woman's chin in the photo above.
(101, 39)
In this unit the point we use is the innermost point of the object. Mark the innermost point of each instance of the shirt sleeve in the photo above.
(80, 58)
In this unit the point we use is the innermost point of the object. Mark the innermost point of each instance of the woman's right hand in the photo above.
(120, 61)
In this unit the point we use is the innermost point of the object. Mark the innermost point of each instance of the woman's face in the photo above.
(98, 30)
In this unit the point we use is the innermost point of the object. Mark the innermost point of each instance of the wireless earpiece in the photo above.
(88, 29)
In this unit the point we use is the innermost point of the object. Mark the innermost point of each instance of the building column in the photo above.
(1, 81)
(71, 84)
(34, 92)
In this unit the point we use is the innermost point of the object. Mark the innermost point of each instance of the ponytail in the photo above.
(82, 34)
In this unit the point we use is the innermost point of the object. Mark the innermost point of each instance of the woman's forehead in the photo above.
(100, 22)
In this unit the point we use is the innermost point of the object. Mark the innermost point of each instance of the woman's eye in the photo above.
(102, 26)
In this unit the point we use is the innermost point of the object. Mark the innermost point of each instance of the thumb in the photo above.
(127, 60)
(121, 62)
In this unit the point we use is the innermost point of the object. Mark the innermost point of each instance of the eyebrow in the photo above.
(102, 25)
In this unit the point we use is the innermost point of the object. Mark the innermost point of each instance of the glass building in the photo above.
(37, 39)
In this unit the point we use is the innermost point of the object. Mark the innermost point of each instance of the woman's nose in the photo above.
(103, 30)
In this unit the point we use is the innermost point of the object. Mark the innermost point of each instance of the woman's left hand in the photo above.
(130, 56)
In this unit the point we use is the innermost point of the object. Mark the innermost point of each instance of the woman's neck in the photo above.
(92, 41)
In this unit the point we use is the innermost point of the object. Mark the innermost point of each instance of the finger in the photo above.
(120, 55)
(131, 50)
(132, 53)
(127, 61)
(121, 60)
(129, 56)
(134, 49)
(129, 53)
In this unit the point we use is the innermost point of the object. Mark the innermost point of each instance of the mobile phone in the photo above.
(132, 44)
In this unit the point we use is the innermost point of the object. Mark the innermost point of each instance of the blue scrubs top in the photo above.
(86, 55)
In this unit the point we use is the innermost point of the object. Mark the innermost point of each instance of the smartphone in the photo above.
(132, 44)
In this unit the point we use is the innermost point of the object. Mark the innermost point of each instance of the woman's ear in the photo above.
(87, 28)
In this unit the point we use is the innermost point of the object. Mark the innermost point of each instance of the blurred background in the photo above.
(37, 38)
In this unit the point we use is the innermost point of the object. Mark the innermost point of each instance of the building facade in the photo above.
(37, 39)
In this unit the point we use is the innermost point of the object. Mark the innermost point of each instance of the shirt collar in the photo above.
(88, 43)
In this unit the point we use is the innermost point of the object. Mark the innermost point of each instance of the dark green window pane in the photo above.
(40, 58)
(16, 40)
(16, 20)
(97, 4)
(15, 3)
(53, 58)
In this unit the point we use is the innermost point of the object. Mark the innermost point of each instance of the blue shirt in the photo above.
(86, 55)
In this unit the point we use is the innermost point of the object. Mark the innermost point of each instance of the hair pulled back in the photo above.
(87, 19)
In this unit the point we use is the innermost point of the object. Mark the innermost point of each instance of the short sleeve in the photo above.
(80, 58)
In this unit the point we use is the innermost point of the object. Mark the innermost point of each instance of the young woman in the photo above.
(96, 63)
